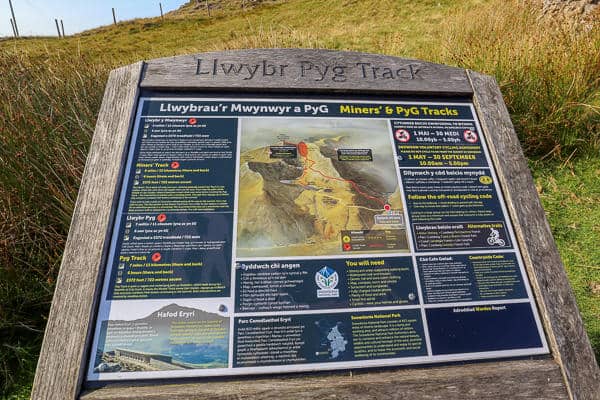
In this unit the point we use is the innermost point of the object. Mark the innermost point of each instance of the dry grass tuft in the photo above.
(47, 115)
(549, 75)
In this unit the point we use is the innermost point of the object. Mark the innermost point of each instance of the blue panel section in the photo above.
(453, 209)
(175, 233)
(472, 329)
(473, 277)
(323, 338)
(294, 285)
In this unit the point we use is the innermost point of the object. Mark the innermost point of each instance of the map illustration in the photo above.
(317, 187)
(337, 341)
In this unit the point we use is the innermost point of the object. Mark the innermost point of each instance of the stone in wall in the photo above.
(576, 11)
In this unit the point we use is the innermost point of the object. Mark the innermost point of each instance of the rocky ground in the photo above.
(582, 12)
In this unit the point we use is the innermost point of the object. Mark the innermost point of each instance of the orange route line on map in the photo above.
(351, 182)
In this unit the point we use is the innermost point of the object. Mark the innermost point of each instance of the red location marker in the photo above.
(387, 207)
(161, 217)
(347, 247)
(303, 149)
(156, 257)
(175, 165)
(192, 121)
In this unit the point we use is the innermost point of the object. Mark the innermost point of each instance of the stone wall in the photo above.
(582, 11)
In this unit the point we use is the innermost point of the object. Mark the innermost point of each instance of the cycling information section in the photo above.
(266, 236)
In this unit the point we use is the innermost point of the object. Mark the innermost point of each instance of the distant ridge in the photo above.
(195, 7)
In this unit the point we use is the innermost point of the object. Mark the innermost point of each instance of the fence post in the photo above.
(161, 10)
(12, 24)
(12, 11)
(57, 28)
(114, 16)
(62, 27)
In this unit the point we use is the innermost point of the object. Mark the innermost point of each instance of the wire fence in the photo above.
(209, 7)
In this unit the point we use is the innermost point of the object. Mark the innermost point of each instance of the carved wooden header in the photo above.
(304, 70)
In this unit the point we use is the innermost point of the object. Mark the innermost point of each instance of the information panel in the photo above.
(273, 235)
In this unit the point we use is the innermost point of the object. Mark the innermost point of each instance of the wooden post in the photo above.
(12, 24)
(12, 11)
(62, 27)
(114, 16)
(207, 7)
(57, 27)
(61, 377)
(161, 10)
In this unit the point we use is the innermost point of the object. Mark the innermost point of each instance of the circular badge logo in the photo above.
(326, 278)
(470, 136)
(161, 217)
(484, 179)
(192, 121)
(402, 135)
(156, 257)
(175, 165)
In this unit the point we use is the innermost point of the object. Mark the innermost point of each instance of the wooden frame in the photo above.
(570, 372)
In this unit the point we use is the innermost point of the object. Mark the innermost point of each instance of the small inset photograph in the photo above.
(169, 336)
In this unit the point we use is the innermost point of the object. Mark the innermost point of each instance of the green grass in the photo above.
(398, 27)
(570, 194)
(50, 92)
(548, 74)
(46, 122)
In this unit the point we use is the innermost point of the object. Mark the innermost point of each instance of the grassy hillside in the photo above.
(50, 92)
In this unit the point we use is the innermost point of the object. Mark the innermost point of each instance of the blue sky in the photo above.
(36, 17)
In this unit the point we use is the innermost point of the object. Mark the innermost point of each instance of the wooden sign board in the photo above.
(249, 220)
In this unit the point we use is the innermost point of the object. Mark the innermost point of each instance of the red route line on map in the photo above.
(351, 182)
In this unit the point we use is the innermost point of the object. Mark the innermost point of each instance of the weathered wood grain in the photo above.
(415, 77)
(63, 354)
(555, 298)
(527, 379)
